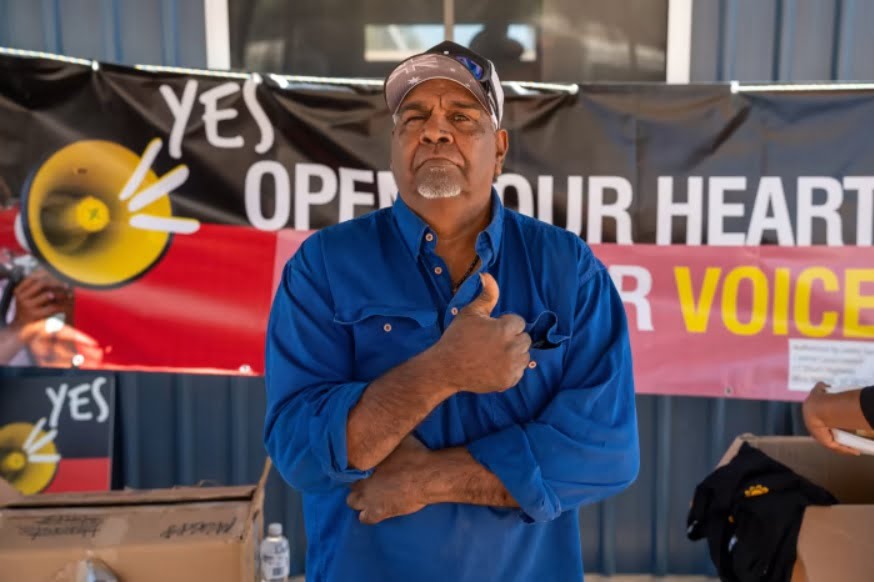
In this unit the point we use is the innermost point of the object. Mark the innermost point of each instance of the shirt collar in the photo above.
(414, 230)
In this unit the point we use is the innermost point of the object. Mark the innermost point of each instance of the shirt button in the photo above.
(438, 270)
(429, 237)
(454, 311)
(387, 327)
(532, 364)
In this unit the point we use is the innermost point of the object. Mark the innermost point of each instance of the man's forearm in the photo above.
(454, 476)
(392, 406)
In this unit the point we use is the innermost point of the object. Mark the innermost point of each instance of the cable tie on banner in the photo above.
(280, 80)
(571, 88)
(519, 89)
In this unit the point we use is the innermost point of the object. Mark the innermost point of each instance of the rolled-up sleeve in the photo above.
(583, 447)
(308, 376)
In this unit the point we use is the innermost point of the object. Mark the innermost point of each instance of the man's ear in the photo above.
(502, 144)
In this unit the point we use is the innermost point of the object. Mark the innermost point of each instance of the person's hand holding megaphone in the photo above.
(484, 354)
(39, 296)
(43, 323)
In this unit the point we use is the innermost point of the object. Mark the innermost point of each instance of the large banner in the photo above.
(159, 208)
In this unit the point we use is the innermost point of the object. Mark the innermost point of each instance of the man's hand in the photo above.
(483, 354)
(815, 412)
(394, 488)
(476, 353)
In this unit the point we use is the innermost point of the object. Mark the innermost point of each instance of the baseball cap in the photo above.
(453, 62)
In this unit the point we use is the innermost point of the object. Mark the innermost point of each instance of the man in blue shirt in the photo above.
(448, 380)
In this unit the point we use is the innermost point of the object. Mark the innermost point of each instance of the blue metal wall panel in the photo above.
(782, 40)
(154, 32)
(73, 21)
(191, 32)
(185, 429)
(22, 25)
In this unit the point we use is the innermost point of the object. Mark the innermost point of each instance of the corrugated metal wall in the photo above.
(782, 40)
(154, 32)
(181, 429)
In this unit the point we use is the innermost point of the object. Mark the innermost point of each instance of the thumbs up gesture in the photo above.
(483, 354)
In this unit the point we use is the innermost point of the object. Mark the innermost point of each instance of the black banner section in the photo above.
(614, 163)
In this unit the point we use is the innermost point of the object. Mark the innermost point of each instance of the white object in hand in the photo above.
(847, 438)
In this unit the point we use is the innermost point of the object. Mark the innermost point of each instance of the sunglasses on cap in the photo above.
(479, 72)
(481, 68)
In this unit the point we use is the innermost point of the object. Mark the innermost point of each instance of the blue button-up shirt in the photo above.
(360, 298)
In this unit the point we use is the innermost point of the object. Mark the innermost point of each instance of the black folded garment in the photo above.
(750, 511)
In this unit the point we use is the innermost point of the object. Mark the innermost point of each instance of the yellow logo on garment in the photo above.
(756, 490)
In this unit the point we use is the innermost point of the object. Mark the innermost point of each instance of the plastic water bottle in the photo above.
(93, 570)
(275, 556)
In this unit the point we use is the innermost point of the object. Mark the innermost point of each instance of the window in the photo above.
(325, 37)
(570, 41)
(394, 42)
(529, 40)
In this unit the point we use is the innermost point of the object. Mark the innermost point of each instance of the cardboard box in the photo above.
(837, 542)
(161, 535)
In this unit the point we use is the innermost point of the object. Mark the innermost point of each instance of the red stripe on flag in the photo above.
(81, 475)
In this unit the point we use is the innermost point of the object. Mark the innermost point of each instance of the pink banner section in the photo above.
(747, 322)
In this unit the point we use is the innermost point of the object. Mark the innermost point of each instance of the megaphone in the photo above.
(28, 456)
(97, 215)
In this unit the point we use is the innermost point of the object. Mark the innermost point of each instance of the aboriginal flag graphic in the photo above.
(56, 433)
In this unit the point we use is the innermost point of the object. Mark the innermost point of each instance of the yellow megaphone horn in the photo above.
(28, 456)
(97, 214)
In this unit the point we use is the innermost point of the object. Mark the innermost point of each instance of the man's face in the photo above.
(444, 144)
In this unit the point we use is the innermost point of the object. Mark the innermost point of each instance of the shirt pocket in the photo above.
(386, 336)
(541, 381)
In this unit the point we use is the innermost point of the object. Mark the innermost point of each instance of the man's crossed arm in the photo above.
(413, 477)
(581, 448)
(477, 353)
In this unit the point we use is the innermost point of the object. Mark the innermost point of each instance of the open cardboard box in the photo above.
(835, 543)
(166, 535)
